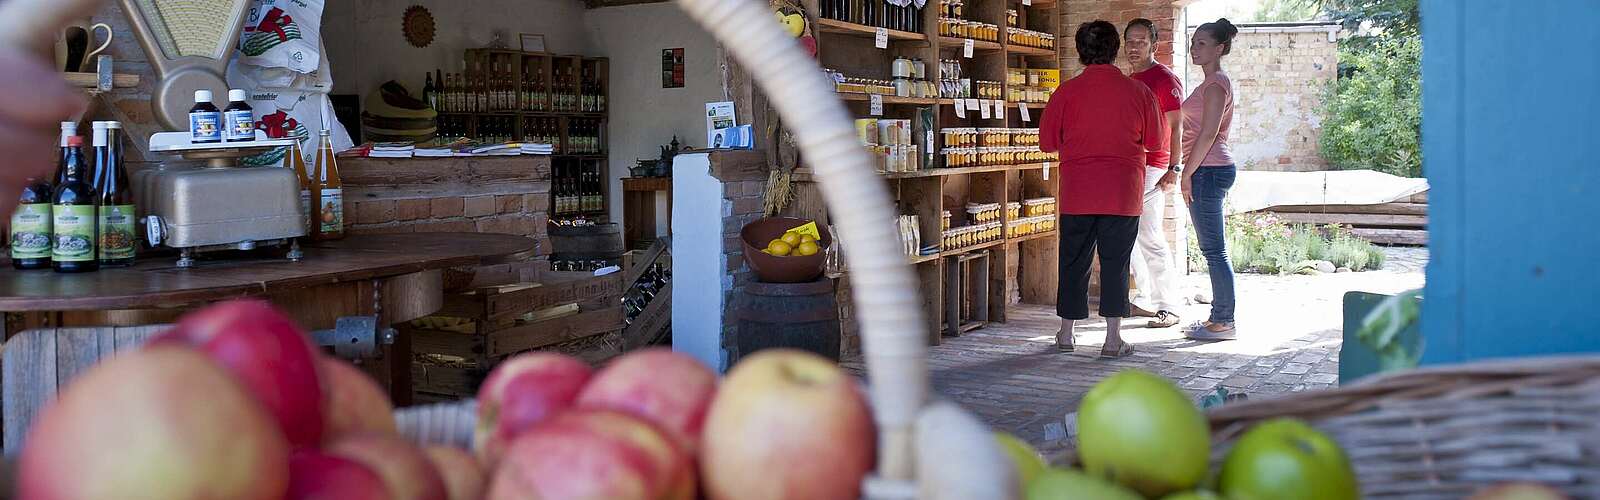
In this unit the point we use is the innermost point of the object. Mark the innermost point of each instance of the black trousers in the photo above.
(1081, 237)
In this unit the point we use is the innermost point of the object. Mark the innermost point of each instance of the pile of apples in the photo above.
(235, 403)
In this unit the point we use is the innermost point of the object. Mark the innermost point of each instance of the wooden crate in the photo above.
(571, 312)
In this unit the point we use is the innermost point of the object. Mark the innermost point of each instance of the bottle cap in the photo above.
(202, 96)
(100, 125)
(69, 126)
(236, 95)
(114, 124)
(76, 140)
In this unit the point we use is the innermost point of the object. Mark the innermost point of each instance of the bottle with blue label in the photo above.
(239, 118)
(205, 120)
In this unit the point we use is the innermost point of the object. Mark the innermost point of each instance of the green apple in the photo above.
(1028, 460)
(1068, 484)
(1138, 430)
(1285, 458)
(1193, 495)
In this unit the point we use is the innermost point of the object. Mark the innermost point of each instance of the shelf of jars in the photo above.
(937, 94)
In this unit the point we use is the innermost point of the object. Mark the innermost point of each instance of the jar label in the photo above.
(332, 210)
(241, 125)
(74, 233)
(30, 231)
(205, 126)
(117, 235)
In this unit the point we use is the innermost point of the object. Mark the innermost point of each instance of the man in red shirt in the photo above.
(1154, 266)
(1101, 122)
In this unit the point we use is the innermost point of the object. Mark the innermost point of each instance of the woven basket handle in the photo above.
(886, 298)
(33, 24)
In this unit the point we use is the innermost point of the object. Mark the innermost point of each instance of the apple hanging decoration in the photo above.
(793, 18)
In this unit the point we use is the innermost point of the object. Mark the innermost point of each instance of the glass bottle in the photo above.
(329, 191)
(118, 234)
(30, 227)
(73, 216)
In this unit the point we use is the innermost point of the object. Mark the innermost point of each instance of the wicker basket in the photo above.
(1445, 432)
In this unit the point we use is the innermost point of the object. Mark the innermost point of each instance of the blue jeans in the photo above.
(1211, 186)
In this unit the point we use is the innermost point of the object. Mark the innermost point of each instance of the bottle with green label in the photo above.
(73, 216)
(117, 236)
(30, 227)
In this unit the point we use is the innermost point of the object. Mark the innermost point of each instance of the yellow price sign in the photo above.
(809, 228)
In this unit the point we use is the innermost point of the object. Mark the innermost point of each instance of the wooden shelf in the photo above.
(852, 29)
(1032, 237)
(888, 99)
(972, 248)
(922, 259)
(944, 171)
(646, 184)
(950, 42)
(92, 80)
(1030, 51)
(1037, 105)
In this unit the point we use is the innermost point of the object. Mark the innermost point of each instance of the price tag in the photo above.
(973, 104)
(1023, 108)
(961, 108)
(999, 109)
(1027, 2)
(877, 105)
(1045, 169)
(881, 39)
(983, 109)
(966, 48)
(930, 142)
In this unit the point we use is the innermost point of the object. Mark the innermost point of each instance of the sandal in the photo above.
(1122, 352)
(1139, 312)
(1060, 347)
(1203, 331)
(1164, 319)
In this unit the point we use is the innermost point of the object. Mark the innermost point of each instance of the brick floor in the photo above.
(1012, 376)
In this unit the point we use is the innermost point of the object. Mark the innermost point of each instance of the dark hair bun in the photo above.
(1225, 30)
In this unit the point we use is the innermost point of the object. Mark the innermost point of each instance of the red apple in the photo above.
(671, 390)
(521, 392)
(406, 471)
(160, 423)
(790, 425)
(593, 455)
(269, 354)
(314, 475)
(463, 477)
(354, 402)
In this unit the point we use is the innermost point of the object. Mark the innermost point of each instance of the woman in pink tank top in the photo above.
(1210, 171)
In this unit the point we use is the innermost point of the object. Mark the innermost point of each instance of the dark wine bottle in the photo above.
(73, 214)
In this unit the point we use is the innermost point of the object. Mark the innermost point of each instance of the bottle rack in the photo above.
(848, 44)
(562, 100)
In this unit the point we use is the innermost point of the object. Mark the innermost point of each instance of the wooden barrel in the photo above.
(795, 315)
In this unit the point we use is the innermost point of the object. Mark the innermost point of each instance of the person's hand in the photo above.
(34, 100)
(1188, 190)
(1168, 181)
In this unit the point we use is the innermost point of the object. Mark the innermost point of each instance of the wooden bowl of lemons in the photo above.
(782, 250)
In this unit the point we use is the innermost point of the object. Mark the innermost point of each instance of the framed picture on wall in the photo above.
(531, 42)
(672, 68)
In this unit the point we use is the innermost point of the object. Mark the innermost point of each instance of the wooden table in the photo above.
(397, 277)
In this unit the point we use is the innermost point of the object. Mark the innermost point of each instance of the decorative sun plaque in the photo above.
(418, 26)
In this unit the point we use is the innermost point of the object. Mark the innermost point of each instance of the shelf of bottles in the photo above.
(516, 96)
(903, 17)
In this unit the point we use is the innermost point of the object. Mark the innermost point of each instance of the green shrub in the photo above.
(1372, 114)
(1264, 244)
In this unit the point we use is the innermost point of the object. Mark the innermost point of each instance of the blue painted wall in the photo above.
(1511, 148)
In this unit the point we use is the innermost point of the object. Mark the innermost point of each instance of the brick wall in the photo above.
(492, 195)
(1118, 12)
(1279, 73)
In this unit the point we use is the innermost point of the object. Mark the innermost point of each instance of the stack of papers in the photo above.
(505, 149)
(533, 148)
(392, 150)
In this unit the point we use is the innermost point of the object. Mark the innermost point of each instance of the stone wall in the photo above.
(1279, 72)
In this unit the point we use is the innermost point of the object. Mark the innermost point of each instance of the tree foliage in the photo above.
(1372, 114)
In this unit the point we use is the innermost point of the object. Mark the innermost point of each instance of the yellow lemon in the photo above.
(806, 238)
(779, 248)
(806, 248)
(791, 238)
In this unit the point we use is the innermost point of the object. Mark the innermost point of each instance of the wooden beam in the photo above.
(535, 335)
(1392, 236)
(1359, 220)
(1382, 208)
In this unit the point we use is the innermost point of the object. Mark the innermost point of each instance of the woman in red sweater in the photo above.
(1102, 123)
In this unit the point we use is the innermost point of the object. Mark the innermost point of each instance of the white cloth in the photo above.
(1154, 264)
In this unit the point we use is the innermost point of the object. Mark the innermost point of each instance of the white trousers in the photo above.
(1154, 263)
